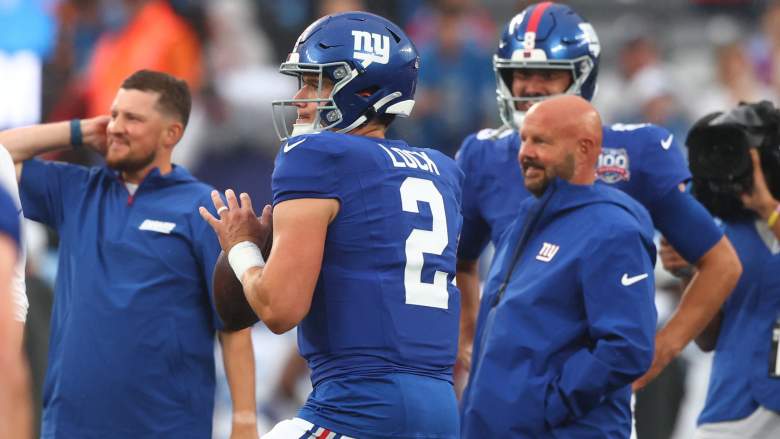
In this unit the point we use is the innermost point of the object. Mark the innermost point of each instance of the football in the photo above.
(232, 306)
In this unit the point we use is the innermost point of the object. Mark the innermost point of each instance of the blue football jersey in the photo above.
(385, 301)
(492, 189)
(642, 160)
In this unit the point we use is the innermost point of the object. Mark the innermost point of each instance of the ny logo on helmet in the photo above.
(371, 47)
(594, 47)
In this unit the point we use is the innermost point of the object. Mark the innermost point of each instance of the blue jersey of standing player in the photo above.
(385, 302)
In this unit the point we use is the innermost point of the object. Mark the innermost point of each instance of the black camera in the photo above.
(719, 156)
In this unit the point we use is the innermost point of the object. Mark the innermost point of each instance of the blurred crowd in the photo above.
(667, 63)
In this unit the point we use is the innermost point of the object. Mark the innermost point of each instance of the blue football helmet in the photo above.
(371, 62)
(545, 36)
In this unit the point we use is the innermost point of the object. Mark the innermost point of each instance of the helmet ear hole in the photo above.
(395, 35)
(368, 91)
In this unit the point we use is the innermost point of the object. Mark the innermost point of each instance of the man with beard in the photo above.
(132, 341)
(572, 319)
(549, 50)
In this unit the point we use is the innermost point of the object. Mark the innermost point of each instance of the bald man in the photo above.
(572, 319)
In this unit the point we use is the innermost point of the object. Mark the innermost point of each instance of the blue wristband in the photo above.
(76, 138)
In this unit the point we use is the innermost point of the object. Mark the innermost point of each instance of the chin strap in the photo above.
(359, 121)
(518, 117)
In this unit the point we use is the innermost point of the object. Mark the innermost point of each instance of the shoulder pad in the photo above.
(322, 141)
(494, 133)
(628, 126)
(648, 133)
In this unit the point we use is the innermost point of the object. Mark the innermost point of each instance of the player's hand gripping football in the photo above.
(237, 222)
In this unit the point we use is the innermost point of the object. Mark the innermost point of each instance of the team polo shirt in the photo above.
(132, 329)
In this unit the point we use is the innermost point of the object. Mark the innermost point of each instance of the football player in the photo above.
(548, 50)
(364, 241)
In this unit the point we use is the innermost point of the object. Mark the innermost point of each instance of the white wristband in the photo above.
(244, 256)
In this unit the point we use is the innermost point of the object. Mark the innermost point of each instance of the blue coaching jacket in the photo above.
(574, 323)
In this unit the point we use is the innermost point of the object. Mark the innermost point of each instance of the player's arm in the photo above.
(473, 239)
(708, 339)
(697, 315)
(239, 360)
(690, 229)
(677, 265)
(306, 199)
(467, 279)
(281, 293)
(27, 142)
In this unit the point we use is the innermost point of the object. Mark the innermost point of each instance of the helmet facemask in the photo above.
(327, 114)
(579, 68)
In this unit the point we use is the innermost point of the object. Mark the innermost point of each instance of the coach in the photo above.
(572, 320)
(132, 342)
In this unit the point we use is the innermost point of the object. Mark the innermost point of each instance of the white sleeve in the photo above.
(18, 287)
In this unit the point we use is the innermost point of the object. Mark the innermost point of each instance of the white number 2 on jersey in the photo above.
(434, 241)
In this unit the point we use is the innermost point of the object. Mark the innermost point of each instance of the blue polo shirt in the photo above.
(132, 331)
(740, 380)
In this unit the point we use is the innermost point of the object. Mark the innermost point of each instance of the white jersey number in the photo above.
(434, 241)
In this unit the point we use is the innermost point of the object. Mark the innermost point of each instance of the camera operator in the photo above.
(735, 162)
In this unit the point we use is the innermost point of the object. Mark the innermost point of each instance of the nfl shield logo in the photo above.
(613, 165)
